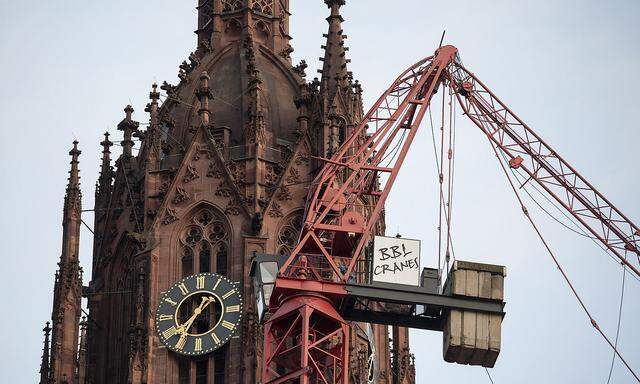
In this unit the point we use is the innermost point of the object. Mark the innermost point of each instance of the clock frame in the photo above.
(200, 295)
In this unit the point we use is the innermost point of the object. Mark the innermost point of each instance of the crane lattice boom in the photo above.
(346, 202)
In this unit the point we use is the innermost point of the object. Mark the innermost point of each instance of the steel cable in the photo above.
(594, 323)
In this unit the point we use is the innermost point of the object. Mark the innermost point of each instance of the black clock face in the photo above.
(199, 314)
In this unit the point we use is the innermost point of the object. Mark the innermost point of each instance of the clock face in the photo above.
(199, 314)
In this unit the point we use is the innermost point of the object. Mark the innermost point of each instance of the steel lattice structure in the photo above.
(306, 338)
(527, 151)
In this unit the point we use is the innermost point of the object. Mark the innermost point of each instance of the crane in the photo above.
(306, 335)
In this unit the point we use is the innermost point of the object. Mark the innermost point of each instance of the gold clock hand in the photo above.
(205, 302)
(187, 324)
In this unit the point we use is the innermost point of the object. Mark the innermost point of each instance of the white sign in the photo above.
(396, 260)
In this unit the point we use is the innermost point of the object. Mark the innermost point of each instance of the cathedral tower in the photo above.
(221, 173)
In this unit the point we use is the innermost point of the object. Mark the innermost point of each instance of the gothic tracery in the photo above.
(204, 243)
(289, 232)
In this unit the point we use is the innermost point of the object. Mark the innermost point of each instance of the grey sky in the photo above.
(568, 68)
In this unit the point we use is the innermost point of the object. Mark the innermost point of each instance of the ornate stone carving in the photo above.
(302, 158)
(233, 207)
(275, 210)
(213, 171)
(237, 172)
(224, 189)
(170, 215)
(283, 194)
(293, 177)
(191, 174)
(181, 196)
(231, 5)
(288, 233)
(300, 69)
(271, 175)
(263, 6)
(202, 149)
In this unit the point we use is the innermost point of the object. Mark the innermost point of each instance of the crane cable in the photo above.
(557, 263)
(579, 230)
(613, 358)
(439, 162)
(489, 375)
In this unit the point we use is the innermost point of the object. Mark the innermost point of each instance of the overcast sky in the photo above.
(568, 68)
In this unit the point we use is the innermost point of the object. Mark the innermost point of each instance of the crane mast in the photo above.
(307, 336)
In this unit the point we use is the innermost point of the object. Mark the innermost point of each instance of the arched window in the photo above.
(204, 243)
(203, 246)
(263, 6)
(289, 233)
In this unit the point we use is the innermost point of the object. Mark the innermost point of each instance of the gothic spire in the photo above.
(154, 95)
(106, 170)
(128, 126)
(152, 157)
(44, 365)
(153, 137)
(73, 195)
(334, 69)
(68, 285)
(82, 352)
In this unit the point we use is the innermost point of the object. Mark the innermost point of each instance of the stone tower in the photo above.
(221, 172)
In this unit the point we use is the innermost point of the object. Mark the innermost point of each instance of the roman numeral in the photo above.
(228, 294)
(233, 308)
(166, 317)
(168, 300)
(169, 333)
(216, 284)
(181, 342)
(215, 338)
(200, 282)
(198, 347)
(183, 288)
(228, 325)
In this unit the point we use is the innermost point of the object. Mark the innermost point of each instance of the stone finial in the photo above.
(204, 96)
(106, 172)
(127, 126)
(152, 108)
(44, 365)
(334, 3)
(74, 173)
(334, 63)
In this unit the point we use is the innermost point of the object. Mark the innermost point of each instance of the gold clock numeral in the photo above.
(166, 317)
(228, 294)
(200, 282)
(168, 300)
(228, 325)
(181, 342)
(169, 333)
(216, 284)
(215, 338)
(198, 347)
(183, 288)
(233, 308)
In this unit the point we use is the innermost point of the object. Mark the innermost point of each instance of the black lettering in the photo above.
(404, 249)
(377, 270)
(385, 255)
(395, 251)
(385, 268)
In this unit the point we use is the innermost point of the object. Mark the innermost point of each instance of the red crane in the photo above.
(306, 336)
